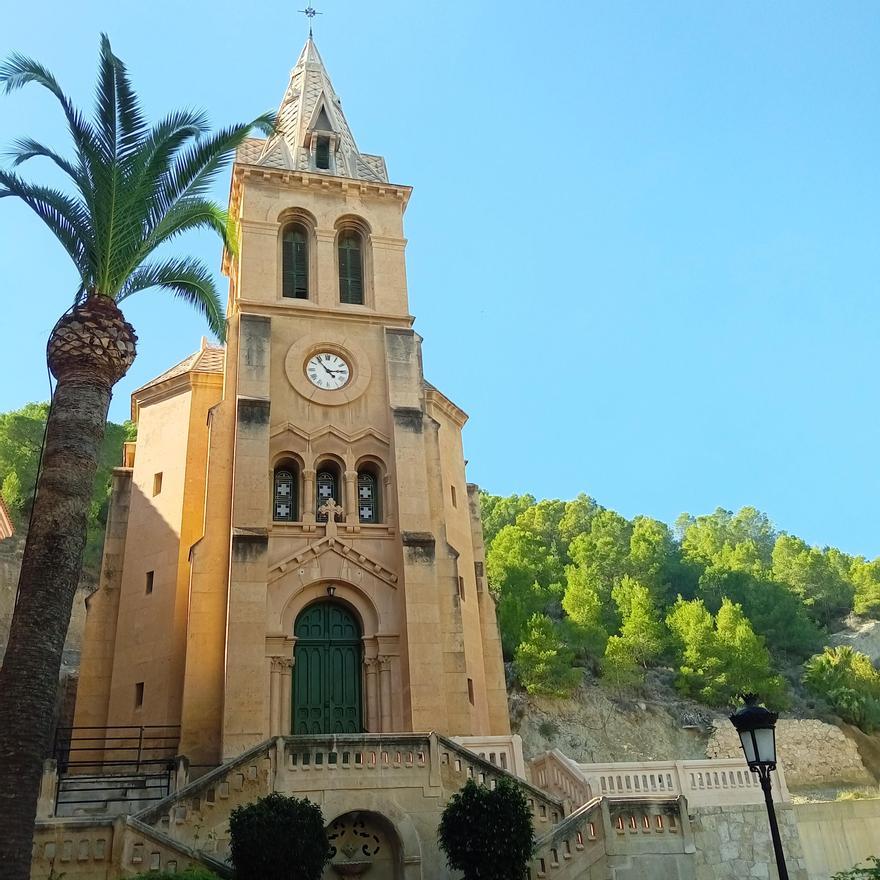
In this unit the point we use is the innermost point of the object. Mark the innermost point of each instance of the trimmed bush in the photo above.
(278, 838)
(487, 833)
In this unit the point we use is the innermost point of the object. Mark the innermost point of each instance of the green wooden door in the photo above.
(327, 671)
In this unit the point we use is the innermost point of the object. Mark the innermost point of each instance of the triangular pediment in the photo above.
(320, 120)
(343, 549)
(333, 430)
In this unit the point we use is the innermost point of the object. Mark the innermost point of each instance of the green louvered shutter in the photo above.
(351, 270)
(295, 264)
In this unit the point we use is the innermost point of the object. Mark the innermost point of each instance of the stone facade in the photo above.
(208, 571)
(815, 754)
(734, 842)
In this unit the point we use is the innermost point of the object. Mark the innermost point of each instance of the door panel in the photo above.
(327, 671)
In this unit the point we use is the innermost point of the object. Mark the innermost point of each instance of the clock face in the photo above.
(328, 371)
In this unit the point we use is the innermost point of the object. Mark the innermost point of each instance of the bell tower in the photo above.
(332, 579)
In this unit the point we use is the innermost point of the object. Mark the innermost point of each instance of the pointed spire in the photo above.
(312, 133)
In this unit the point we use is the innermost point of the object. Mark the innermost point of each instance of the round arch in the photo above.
(345, 593)
(383, 836)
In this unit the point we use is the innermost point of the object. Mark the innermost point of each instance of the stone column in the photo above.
(350, 499)
(386, 501)
(307, 514)
(385, 687)
(275, 695)
(286, 695)
(372, 665)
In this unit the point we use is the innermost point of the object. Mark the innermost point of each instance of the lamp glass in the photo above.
(765, 739)
(748, 744)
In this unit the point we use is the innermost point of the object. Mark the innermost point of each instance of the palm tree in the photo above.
(135, 187)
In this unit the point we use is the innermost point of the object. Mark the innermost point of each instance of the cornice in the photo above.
(310, 179)
(330, 429)
(173, 386)
(303, 307)
(446, 406)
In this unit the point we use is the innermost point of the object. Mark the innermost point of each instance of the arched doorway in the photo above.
(327, 671)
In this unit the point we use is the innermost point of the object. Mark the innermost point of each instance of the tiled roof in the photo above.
(311, 104)
(208, 359)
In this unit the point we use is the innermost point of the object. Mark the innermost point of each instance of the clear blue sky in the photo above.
(643, 239)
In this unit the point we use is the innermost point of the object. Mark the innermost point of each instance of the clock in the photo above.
(327, 371)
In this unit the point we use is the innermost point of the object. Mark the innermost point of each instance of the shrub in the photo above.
(848, 681)
(278, 838)
(872, 872)
(191, 873)
(487, 834)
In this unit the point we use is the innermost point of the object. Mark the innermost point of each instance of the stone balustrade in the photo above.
(717, 782)
(503, 751)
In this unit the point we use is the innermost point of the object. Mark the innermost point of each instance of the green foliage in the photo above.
(849, 682)
(748, 596)
(869, 872)
(775, 612)
(543, 661)
(642, 636)
(190, 873)
(525, 574)
(131, 187)
(865, 577)
(21, 437)
(739, 542)
(498, 512)
(815, 576)
(721, 658)
(278, 838)
(487, 833)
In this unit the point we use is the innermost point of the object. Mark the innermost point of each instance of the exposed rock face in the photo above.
(595, 729)
(814, 754)
(10, 566)
(861, 635)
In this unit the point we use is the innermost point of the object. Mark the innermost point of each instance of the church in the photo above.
(293, 594)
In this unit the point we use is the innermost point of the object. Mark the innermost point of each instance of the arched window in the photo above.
(284, 495)
(295, 263)
(368, 497)
(351, 267)
(327, 486)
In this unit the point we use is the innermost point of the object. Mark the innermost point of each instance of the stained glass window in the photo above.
(284, 501)
(368, 501)
(326, 486)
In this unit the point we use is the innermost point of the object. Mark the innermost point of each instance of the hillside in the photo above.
(630, 640)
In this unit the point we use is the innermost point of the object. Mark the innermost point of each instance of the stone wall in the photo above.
(814, 754)
(837, 836)
(733, 843)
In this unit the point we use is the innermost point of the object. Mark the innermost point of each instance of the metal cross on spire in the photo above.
(310, 12)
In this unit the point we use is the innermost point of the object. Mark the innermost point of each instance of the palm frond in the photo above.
(18, 70)
(65, 217)
(185, 216)
(132, 124)
(189, 279)
(193, 173)
(27, 148)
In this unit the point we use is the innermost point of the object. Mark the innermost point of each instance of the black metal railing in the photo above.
(123, 763)
(117, 748)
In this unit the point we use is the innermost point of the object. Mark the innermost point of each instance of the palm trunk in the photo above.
(86, 353)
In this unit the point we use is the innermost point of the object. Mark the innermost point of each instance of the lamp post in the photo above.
(756, 726)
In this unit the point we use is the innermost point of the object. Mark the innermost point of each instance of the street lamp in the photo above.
(756, 726)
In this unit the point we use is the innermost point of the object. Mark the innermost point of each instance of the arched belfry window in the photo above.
(284, 496)
(368, 497)
(327, 486)
(295, 262)
(351, 267)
